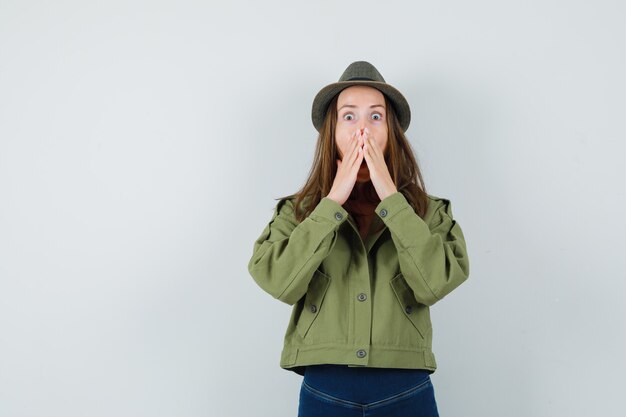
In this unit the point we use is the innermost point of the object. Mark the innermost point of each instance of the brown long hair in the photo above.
(399, 158)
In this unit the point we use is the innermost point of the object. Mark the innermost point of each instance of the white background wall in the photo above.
(142, 145)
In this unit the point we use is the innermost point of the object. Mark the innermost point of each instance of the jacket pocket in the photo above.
(411, 308)
(313, 301)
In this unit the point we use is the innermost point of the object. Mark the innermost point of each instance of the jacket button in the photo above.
(361, 353)
(408, 309)
(361, 297)
(338, 216)
(313, 308)
(383, 212)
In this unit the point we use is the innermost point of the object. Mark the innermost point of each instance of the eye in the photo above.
(380, 116)
(345, 116)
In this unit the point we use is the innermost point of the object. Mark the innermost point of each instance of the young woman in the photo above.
(361, 252)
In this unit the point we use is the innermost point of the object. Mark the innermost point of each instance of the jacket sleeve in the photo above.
(287, 253)
(432, 252)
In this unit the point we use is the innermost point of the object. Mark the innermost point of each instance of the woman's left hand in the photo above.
(379, 173)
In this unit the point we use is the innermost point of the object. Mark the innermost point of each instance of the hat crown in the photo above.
(361, 70)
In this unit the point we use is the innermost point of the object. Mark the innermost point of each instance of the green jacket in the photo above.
(360, 303)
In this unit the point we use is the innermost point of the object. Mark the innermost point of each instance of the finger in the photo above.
(356, 161)
(372, 145)
(361, 138)
(351, 149)
(355, 151)
(373, 150)
(361, 156)
(367, 155)
(367, 151)
(366, 142)
(357, 164)
(353, 141)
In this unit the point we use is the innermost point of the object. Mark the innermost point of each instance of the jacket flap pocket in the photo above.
(313, 301)
(407, 301)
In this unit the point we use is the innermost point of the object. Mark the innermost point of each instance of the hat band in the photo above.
(360, 78)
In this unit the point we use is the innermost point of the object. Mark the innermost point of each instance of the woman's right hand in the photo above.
(347, 170)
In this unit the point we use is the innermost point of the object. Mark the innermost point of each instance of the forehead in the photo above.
(360, 94)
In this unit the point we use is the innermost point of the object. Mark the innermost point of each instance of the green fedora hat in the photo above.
(360, 73)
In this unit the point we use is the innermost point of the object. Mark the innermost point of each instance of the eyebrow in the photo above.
(352, 105)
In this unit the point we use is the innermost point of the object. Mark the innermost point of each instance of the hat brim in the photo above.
(325, 95)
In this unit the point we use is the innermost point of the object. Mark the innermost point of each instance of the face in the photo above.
(360, 107)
